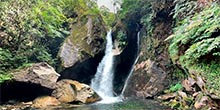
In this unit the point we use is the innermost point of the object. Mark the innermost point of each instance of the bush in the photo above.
(197, 36)
(31, 31)
(195, 45)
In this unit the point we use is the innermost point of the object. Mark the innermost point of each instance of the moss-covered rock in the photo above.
(86, 40)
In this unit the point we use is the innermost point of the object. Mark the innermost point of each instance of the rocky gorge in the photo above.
(163, 52)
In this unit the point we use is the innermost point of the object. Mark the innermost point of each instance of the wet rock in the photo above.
(147, 80)
(42, 102)
(125, 61)
(72, 91)
(86, 40)
(40, 73)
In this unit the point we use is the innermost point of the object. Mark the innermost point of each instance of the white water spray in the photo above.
(132, 68)
(102, 83)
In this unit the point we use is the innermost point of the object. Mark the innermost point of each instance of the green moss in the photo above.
(108, 17)
(85, 33)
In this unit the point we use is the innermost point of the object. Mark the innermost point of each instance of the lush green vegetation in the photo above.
(33, 30)
(196, 44)
(108, 17)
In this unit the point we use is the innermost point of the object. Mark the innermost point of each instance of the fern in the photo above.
(195, 45)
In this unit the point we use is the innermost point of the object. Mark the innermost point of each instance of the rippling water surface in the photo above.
(129, 104)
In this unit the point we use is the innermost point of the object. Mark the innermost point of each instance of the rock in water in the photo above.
(72, 91)
(42, 102)
(40, 73)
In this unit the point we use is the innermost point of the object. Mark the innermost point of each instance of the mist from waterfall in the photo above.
(102, 83)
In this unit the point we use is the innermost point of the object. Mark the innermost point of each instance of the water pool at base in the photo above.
(128, 104)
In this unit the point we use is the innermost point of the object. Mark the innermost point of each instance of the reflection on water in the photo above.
(130, 104)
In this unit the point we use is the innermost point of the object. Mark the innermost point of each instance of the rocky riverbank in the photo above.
(37, 86)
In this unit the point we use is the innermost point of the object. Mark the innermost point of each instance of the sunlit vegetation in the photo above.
(195, 46)
(197, 41)
(33, 30)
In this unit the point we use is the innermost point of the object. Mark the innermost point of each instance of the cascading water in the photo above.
(102, 83)
(132, 68)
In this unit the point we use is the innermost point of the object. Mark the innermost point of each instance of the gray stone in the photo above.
(40, 73)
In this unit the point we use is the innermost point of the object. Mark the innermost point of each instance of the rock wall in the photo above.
(152, 72)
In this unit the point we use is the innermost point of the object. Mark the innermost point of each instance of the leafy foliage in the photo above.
(4, 77)
(121, 36)
(108, 17)
(196, 45)
(184, 8)
(201, 37)
(33, 30)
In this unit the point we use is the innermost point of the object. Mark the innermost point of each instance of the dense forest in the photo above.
(178, 52)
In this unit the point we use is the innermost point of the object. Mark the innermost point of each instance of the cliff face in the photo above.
(193, 48)
(151, 73)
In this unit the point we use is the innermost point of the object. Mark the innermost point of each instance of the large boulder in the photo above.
(39, 73)
(68, 91)
(29, 82)
(147, 80)
(86, 40)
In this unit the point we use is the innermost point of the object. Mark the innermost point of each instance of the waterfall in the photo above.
(132, 68)
(102, 83)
